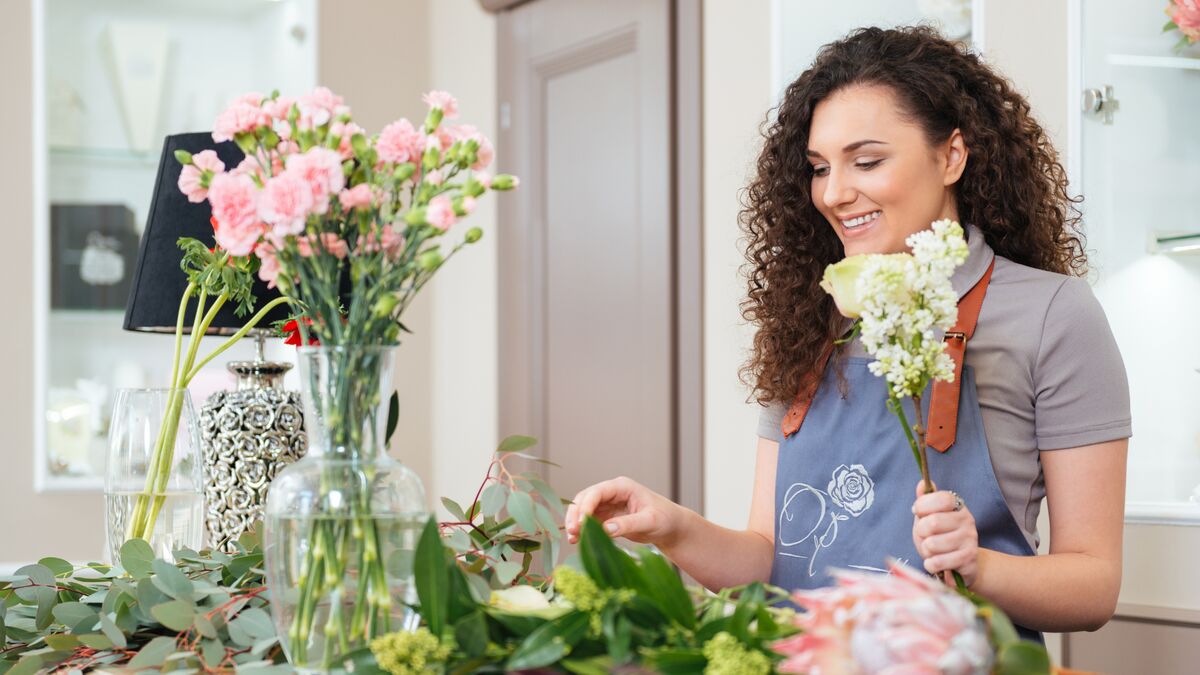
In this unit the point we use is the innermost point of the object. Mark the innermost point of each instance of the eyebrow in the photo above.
(849, 148)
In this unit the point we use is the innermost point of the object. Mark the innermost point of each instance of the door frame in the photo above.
(516, 383)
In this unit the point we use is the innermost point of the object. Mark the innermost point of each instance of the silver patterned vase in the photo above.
(248, 436)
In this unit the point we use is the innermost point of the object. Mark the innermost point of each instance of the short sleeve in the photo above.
(1080, 386)
(770, 421)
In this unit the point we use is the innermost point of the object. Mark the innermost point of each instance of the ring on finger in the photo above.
(958, 501)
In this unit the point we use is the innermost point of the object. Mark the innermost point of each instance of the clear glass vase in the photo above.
(152, 483)
(342, 523)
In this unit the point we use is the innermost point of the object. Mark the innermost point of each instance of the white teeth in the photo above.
(862, 220)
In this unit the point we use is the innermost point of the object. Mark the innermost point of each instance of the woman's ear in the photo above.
(954, 157)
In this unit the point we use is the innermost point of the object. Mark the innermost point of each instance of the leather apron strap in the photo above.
(943, 405)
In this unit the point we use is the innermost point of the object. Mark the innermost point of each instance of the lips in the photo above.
(861, 220)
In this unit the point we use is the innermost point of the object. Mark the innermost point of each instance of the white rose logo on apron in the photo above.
(850, 489)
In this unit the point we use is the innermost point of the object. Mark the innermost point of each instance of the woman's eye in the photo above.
(868, 165)
(820, 170)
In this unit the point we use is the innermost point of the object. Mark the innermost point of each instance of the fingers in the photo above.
(941, 522)
(962, 561)
(590, 499)
(947, 543)
(921, 487)
(632, 526)
(934, 502)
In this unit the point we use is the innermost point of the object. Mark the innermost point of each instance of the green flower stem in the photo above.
(236, 336)
(919, 429)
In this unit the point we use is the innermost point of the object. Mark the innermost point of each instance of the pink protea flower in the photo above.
(400, 142)
(195, 178)
(240, 117)
(903, 622)
(440, 212)
(356, 197)
(441, 100)
(234, 200)
(1186, 15)
(321, 168)
(317, 107)
(285, 203)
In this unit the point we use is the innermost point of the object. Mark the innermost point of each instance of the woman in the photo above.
(888, 131)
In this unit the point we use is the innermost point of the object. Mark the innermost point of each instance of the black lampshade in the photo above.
(158, 281)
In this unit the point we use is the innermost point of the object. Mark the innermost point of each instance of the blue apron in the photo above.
(846, 480)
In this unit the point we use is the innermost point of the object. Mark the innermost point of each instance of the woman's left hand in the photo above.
(945, 538)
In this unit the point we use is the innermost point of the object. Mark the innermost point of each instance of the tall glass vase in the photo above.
(152, 483)
(342, 523)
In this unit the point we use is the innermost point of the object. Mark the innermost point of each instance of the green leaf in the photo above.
(154, 653)
(257, 623)
(62, 642)
(552, 498)
(170, 580)
(176, 614)
(137, 558)
(516, 443)
(432, 577)
(667, 589)
(454, 509)
(617, 633)
(545, 519)
(471, 634)
(597, 665)
(43, 594)
(678, 661)
(520, 506)
(28, 665)
(1022, 658)
(549, 642)
(393, 417)
(750, 601)
(111, 631)
(607, 565)
(205, 627)
(95, 641)
(360, 662)
(77, 616)
(506, 571)
(60, 567)
(493, 498)
(212, 651)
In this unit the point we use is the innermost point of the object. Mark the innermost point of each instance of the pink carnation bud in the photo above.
(440, 212)
(356, 197)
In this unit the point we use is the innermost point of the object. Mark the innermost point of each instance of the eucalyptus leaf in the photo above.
(454, 508)
(506, 571)
(257, 623)
(493, 498)
(137, 558)
(205, 627)
(80, 618)
(58, 566)
(154, 653)
(32, 582)
(545, 519)
(176, 614)
(170, 580)
(516, 444)
(111, 632)
(95, 641)
(212, 652)
(62, 641)
(520, 506)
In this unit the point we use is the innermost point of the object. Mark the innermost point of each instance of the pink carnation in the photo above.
(441, 100)
(317, 107)
(344, 132)
(400, 142)
(279, 107)
(1186, 15)
(875, 623)
(356, 197)
(234, 199)
(393, 240)
(241, 117)
(285, 203)
(195, 178)
(440, 212)
(468, 204)
(328, 241)
(321, 169)
(268, 270)
(435, 177)
(485, 154)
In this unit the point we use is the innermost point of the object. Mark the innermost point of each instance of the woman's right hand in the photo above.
(627, 509)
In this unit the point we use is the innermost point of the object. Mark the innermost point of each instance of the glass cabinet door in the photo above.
(116, 77)
(1138, 146)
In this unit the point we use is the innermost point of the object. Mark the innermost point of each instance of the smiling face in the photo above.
(876, 178)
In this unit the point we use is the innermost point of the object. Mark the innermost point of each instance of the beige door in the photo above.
(588, 344)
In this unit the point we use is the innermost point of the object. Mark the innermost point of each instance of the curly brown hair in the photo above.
(1014, 189)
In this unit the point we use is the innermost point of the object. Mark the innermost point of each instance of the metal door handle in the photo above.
(1100, 102)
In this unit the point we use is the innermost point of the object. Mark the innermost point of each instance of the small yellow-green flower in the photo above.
(413, 653)
(727, 656)
(579, 589)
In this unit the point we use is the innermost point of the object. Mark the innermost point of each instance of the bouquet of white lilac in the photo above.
(899, 301)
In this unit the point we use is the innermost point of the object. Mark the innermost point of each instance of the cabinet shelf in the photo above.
(1177, 62)
(113, 155)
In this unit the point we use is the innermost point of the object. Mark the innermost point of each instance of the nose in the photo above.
(838, 190)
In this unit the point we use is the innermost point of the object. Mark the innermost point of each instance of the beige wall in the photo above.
(376, 55)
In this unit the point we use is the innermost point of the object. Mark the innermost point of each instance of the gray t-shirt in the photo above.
(1047, 369)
